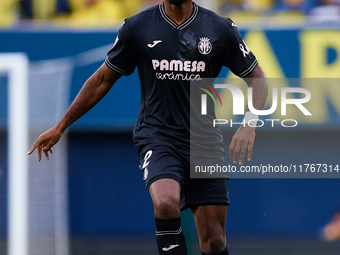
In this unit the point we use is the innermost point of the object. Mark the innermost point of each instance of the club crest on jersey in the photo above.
(204, 46)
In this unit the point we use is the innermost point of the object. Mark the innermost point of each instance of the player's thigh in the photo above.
(164, 175)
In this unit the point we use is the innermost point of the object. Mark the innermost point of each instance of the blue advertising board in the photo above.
(283, 54)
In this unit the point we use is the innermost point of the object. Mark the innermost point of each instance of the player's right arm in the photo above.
(94, 89)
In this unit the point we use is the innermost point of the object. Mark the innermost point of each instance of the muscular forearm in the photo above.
(245, 135)
(257, 81)
(94, 89)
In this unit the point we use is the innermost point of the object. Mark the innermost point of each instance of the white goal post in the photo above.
(37, 192)
(16, 66)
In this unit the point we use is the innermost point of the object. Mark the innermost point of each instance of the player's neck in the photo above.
(179, 13)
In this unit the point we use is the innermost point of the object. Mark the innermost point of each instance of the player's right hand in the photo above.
(45, 142)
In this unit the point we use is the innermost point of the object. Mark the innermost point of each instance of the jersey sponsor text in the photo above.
(178, 66)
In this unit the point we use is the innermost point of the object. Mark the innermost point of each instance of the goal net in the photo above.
(33, 195)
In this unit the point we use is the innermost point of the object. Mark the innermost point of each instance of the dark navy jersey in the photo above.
(168, 57)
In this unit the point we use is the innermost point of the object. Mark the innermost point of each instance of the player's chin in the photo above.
(177, 2)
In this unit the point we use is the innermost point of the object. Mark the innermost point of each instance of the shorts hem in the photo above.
(198, 204)
(164, 176)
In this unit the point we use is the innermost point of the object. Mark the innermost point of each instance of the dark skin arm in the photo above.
(245, 136)
(94, 89)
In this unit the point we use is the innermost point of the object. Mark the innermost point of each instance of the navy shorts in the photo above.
(166, 160)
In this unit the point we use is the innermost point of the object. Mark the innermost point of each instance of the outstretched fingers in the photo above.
(250, 150)
(238, 149)
(35, 145)
(46, 153)
(41, 146)
(242, 152)
(234, 150)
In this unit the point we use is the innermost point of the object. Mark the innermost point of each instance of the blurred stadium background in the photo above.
(90, 198)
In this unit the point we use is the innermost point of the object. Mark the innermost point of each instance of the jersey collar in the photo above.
(173, 23)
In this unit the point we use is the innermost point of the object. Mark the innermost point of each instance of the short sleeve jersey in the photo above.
(168, 57)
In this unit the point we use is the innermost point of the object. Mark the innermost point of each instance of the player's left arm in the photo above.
(244, 137)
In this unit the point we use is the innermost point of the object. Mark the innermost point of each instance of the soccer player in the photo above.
(172, 44)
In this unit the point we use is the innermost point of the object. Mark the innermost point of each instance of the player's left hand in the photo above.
(243, 139)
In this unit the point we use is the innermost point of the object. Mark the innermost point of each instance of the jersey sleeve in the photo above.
(237, 57)
(122, 57)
